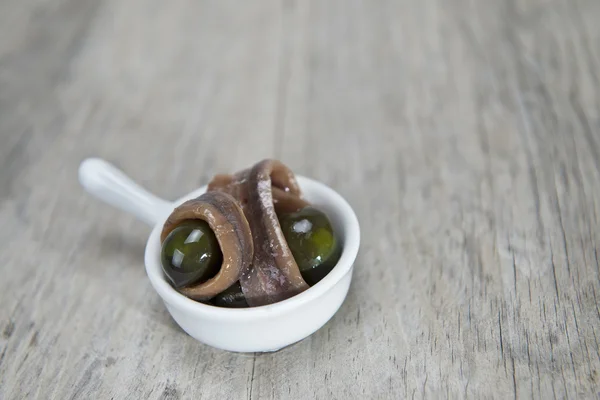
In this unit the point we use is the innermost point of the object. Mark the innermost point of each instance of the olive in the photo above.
(191, 253)
(313, 244)
(233, 297)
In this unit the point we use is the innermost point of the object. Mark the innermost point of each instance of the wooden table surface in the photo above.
(466, 135)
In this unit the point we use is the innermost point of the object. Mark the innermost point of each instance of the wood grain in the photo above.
(465, 133)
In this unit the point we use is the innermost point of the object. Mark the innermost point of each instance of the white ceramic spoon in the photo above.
(255, 329)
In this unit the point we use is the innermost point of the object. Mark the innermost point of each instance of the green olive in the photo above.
(231, 298)
(191, 254)
(311, 239)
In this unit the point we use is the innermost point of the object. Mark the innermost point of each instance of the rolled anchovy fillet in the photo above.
(274, 274)
(227, 220)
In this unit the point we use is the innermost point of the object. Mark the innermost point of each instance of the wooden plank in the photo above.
(465, 134)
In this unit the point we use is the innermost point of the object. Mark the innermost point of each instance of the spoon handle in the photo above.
(106, 182)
